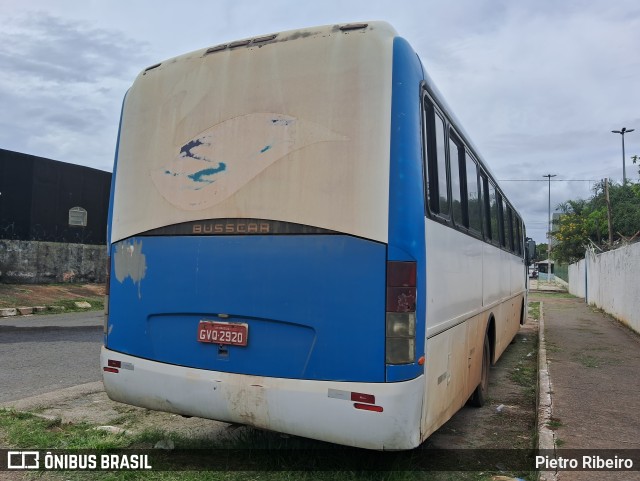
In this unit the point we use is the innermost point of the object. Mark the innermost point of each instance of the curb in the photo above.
(54, 397)
(27, 311)
(546, 437)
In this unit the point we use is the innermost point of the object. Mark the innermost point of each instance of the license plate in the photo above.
(231, 333)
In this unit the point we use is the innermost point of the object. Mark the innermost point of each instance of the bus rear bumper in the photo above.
(322, 410)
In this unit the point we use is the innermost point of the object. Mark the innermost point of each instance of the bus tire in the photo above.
(480, 395)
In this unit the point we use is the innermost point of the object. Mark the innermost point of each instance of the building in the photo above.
(46, 200)
(53, 220)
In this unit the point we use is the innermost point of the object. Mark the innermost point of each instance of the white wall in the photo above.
(577, 279)
(612, 282)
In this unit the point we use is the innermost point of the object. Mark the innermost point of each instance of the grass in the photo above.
(24, 430)
(68, 305)
(552, 347)
(534, 310)
(61, 297)
(554, 423)
(9, 300)
(525, 374)
(589, 361)
(257, 449)
(553, 295)
(595, 362)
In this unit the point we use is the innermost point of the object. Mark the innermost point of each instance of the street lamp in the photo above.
(624, 169)
(548, 176)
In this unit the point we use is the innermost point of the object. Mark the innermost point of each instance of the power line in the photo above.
(552, 180)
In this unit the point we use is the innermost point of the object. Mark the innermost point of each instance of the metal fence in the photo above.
(562, 271)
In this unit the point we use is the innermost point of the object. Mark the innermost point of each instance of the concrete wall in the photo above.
(577, 280)
(31, 262)
(612, 282)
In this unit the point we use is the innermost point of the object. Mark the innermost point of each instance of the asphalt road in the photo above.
(39, 354)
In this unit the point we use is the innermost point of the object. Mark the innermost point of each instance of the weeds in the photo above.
(69, 305)
(525, 374)
(554, 423)
(553, 295)
(552, 347)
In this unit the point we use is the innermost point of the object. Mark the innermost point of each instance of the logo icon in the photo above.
(23, 460)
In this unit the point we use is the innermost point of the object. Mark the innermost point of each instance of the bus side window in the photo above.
(521, 236)
(473, 195)
(436, 168)
(494, 214)
(456, 151)
(509, 229)
(486, 202)
(441, 169)
(502, 219)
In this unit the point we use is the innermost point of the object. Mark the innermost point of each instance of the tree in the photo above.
(583, 222)
(571, 231)
(541, 252)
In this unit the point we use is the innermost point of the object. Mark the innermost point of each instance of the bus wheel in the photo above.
(479, 396)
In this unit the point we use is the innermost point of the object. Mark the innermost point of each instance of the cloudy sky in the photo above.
(538, 85)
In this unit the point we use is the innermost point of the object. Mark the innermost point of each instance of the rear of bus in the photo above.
(254, 275)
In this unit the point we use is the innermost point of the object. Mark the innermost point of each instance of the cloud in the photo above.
(59, 51)
(539, 90)
(58, 80)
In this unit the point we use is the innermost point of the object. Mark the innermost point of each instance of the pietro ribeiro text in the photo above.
(584, 463)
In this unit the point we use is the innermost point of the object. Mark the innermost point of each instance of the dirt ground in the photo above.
(29, 295)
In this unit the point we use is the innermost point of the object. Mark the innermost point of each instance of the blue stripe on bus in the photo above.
(406, 198)
(113, 174)
(111, 193)
(314, 304)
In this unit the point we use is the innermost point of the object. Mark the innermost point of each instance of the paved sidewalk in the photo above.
(594, 369)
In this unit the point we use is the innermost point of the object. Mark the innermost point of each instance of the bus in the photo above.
(303, 239)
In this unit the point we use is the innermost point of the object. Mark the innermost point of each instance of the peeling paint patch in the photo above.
(281, 121)
(186, 150)
(219, 161)
(205, 174)
(129, 261)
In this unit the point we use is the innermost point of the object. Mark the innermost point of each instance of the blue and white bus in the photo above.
(302, 238)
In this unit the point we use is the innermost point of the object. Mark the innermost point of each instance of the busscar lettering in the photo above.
(232, 228)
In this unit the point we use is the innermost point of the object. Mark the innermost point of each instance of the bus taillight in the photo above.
(401, 312)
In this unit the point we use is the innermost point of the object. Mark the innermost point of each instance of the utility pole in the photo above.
(548, 176)
(606, 196)
(623, 131)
